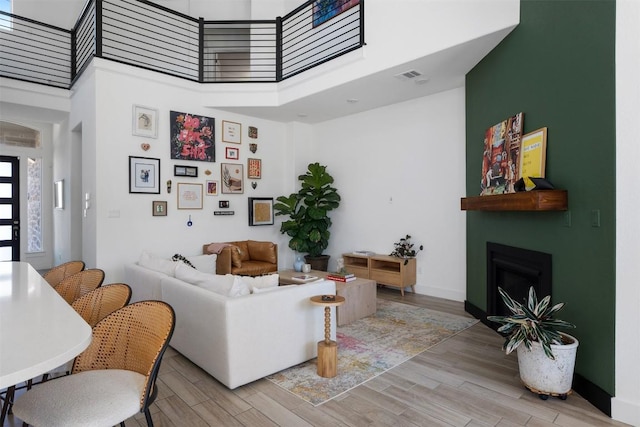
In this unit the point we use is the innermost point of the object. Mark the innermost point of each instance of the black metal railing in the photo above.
(149, 36)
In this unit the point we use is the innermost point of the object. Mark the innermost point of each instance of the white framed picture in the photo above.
(145, 121)
(231, 132)
(189, 196)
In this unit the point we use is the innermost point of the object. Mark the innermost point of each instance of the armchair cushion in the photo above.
(262, 251)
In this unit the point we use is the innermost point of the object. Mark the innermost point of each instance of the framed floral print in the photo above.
(192, 137)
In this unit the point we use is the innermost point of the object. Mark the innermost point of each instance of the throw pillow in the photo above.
(178, 257)
(220, 284)
(153, 262)
(239, 288)
(236, 256)
(204, 263)
(262, 282)
(263, 290)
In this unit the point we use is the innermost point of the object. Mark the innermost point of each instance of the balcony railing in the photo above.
(149, 36)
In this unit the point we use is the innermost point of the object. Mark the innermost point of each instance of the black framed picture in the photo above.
(189, 171)
(144, 175)
(260, 211)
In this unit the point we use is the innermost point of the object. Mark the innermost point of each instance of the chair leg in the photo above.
(147, 415)
(6, 405)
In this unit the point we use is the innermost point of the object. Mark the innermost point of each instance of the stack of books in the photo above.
(341, 277)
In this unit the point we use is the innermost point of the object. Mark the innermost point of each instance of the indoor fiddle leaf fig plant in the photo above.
(532, 322)
(308, 224)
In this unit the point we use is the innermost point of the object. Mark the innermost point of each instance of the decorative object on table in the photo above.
(324, 10)
(169, 186)
(232, 178)
(308, 224)
(501, 156)
(231, 132)
(260, 211)
(340, 265)
(385, 346)
(298, 263)
(145, 146)
(253, 132)
(306, 268)
(253, 147)
(58, 194)
(145, 122)
(304, 278)
(231, 153)
(254, 185)
(547, 358)
(533, 156)
(190, 171)
(212, 188)
(404, 249)
(159, 208)
(189, 196)
(254, 168)
(192, 137)
(144, 175)
(223, 204)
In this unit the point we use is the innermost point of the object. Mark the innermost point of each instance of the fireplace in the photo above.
(515, 270)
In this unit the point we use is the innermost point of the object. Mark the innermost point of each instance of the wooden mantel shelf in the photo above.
(536, 200)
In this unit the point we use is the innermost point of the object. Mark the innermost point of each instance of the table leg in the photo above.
(327, 350)
(8, 401)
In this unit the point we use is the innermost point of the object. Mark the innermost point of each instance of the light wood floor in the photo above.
(464, 381)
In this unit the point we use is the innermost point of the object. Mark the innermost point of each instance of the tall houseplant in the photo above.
(547, 358)
(308, 224)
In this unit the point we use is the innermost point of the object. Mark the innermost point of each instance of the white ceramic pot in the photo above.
(543, 375)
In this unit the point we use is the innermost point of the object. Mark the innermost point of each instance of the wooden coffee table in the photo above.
(360, 295)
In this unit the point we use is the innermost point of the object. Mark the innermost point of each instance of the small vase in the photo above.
(299, 262)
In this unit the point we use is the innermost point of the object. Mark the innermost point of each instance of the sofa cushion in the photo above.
(156, 263)
(254, 268)
(204, 263)
(244, 249)
(236, 256)
(277, 288)
(239, 288)
(262, 251)
(262, 282)
(220, 284)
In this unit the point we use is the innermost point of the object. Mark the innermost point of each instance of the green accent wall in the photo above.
(558, 68)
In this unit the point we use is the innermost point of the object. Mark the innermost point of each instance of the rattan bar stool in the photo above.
(113, 379)
(55, 275)
(73, 287)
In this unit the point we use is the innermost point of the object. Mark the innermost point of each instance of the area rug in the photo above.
(371, 346)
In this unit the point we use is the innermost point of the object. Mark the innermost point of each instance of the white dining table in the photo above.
(39, 330)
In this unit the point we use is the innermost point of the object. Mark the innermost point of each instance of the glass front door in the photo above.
(9, 209)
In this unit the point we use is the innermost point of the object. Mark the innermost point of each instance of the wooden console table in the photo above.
(384, 269)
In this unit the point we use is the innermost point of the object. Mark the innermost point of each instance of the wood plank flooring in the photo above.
(464, 381)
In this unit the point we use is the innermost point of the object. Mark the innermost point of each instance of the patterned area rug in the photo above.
(371, 346)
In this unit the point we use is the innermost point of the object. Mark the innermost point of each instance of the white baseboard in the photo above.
(625, 411)
(454, 295)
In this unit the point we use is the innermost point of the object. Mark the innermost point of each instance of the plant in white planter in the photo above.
(547, 359)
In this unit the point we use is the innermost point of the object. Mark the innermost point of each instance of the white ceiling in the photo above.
(442, 71)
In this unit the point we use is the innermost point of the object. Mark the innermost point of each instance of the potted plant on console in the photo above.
(547, 358)
(308, 224)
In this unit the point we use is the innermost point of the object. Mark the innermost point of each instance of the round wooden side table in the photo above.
(327, 349)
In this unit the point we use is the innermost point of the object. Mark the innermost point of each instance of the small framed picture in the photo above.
(231, 132)
(189, 196)
(190, 171)
(254, 168)
(232, 153)
(145, 121)
(232, 178)
(144, 175)
(212, 188)
(533, 154)
(260, 211)
(253, 132)
(223, 204)
(159, 208)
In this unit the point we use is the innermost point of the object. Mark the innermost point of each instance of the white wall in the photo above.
(626, 404)
(400, 170)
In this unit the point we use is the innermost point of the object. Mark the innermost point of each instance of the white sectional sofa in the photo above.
(238, 339)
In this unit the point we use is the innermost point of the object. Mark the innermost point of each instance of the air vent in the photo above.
(408, 75)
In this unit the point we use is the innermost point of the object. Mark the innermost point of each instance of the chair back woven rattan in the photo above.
(99, 303)
(55, 275)
(73, 287)
(133, 338)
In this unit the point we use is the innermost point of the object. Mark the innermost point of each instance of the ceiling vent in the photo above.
(408, 75)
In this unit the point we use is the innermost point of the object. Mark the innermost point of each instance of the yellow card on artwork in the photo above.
(533, 153)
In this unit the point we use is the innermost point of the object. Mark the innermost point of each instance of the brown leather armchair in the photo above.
(244, 258)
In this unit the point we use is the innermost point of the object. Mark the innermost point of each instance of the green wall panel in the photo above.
(557, 67)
